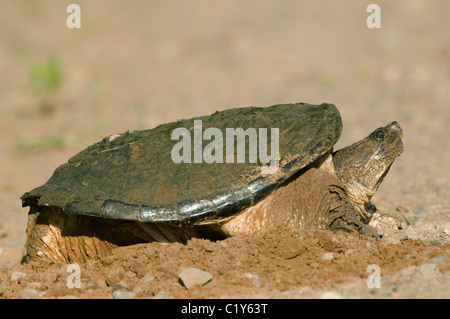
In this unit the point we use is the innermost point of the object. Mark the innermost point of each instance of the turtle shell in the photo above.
(132, 175)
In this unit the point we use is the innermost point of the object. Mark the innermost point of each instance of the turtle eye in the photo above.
(380, 134)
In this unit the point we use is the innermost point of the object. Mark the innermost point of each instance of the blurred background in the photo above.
(134, 65)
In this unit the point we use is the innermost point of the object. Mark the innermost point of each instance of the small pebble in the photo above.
(433, 241)
(68, 297)
(436, 259)
(15, 275)
(146, 280)
(100, 283)
(28, 294)
(119, 286)
(331, 295)
(328, 256)
(255, 279)
(121, 294)
(408, 271)
(191, 277)
(250, 276)
(34, 285)
(419, 210)
(391, 241)
(349, 252)
(427, 269)
(412, 232)
(401, 209)
(398, 235)
(143, 283)
(160, 295)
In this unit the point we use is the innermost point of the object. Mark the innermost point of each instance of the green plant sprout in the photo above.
(45, 78)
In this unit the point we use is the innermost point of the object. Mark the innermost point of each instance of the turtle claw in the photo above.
(385, 223)
(350, 222)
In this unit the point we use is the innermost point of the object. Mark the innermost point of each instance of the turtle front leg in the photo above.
(321, 201)
(334, 209)
(314, 200)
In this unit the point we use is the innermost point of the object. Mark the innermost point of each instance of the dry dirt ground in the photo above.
(135, 65)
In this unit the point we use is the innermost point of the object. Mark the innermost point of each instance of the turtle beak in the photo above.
(395, 128)
(396, 133)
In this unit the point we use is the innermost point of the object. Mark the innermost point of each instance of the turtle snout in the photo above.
(395, 129)
(394, 140)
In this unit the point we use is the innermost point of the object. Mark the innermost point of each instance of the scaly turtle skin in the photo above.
(127, 189)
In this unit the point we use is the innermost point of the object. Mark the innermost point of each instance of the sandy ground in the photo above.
(133, 66)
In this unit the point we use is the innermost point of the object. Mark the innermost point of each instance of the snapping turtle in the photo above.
(128, 188)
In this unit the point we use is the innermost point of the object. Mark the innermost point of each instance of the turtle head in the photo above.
(363, 165)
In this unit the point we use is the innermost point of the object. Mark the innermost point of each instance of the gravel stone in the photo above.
(143, 283)
(119, 286)
(427, 269)
(121, 294)
(331, 295)
(348, 252)
(191, 277)
(160, 295)
(419, 210)
(16, 275)
(146, 280)
(28, 294)
(407, 272)
(391, 241)
(254, 278)
(328, 256)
